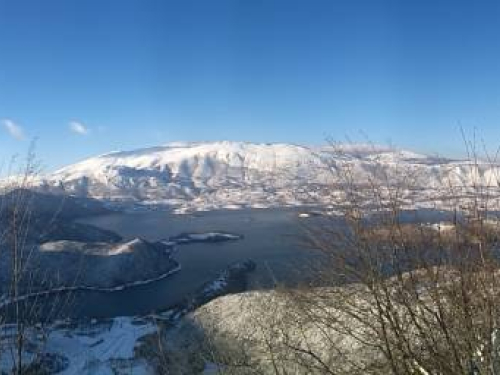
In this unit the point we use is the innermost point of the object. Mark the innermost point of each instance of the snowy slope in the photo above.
(252, 325)
(226, 174)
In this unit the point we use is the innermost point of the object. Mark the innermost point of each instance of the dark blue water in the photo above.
(272, 238)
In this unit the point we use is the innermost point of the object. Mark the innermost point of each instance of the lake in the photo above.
(271, 239)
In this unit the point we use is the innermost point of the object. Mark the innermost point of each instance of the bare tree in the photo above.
(25, 304)
(15, 249)
(396, 293)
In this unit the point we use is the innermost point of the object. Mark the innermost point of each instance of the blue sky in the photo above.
(87, 77)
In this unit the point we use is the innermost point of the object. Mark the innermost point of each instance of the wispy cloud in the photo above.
(14, 130)
(78, 128)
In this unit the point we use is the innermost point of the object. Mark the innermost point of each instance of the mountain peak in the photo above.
(208, 175)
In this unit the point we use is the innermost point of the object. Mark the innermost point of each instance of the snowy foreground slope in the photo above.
(99, 348)
(258, 329)
(203, 176)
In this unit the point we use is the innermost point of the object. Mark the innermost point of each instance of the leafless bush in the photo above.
(22, 318)
(396, 294)
(428, 296)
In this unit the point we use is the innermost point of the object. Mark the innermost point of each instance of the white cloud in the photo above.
(13, 129)
(78, 128)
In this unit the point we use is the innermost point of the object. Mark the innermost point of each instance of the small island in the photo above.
(210, 237)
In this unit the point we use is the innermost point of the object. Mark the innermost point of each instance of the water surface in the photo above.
(271, 239)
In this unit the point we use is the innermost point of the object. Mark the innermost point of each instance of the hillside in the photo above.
(57, 252)
(211, 175)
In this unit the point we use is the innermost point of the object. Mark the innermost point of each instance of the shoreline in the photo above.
(4, 303)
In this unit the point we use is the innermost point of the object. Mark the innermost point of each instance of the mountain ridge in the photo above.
(209, 175)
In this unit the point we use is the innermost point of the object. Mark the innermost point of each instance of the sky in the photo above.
(89, 77)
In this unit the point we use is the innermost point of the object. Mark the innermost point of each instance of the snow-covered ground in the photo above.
(250, 327)
(103, 347)
(96, 348)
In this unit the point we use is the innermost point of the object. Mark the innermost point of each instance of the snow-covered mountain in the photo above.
(224, 174)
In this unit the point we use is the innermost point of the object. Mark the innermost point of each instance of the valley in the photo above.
(129, 245)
